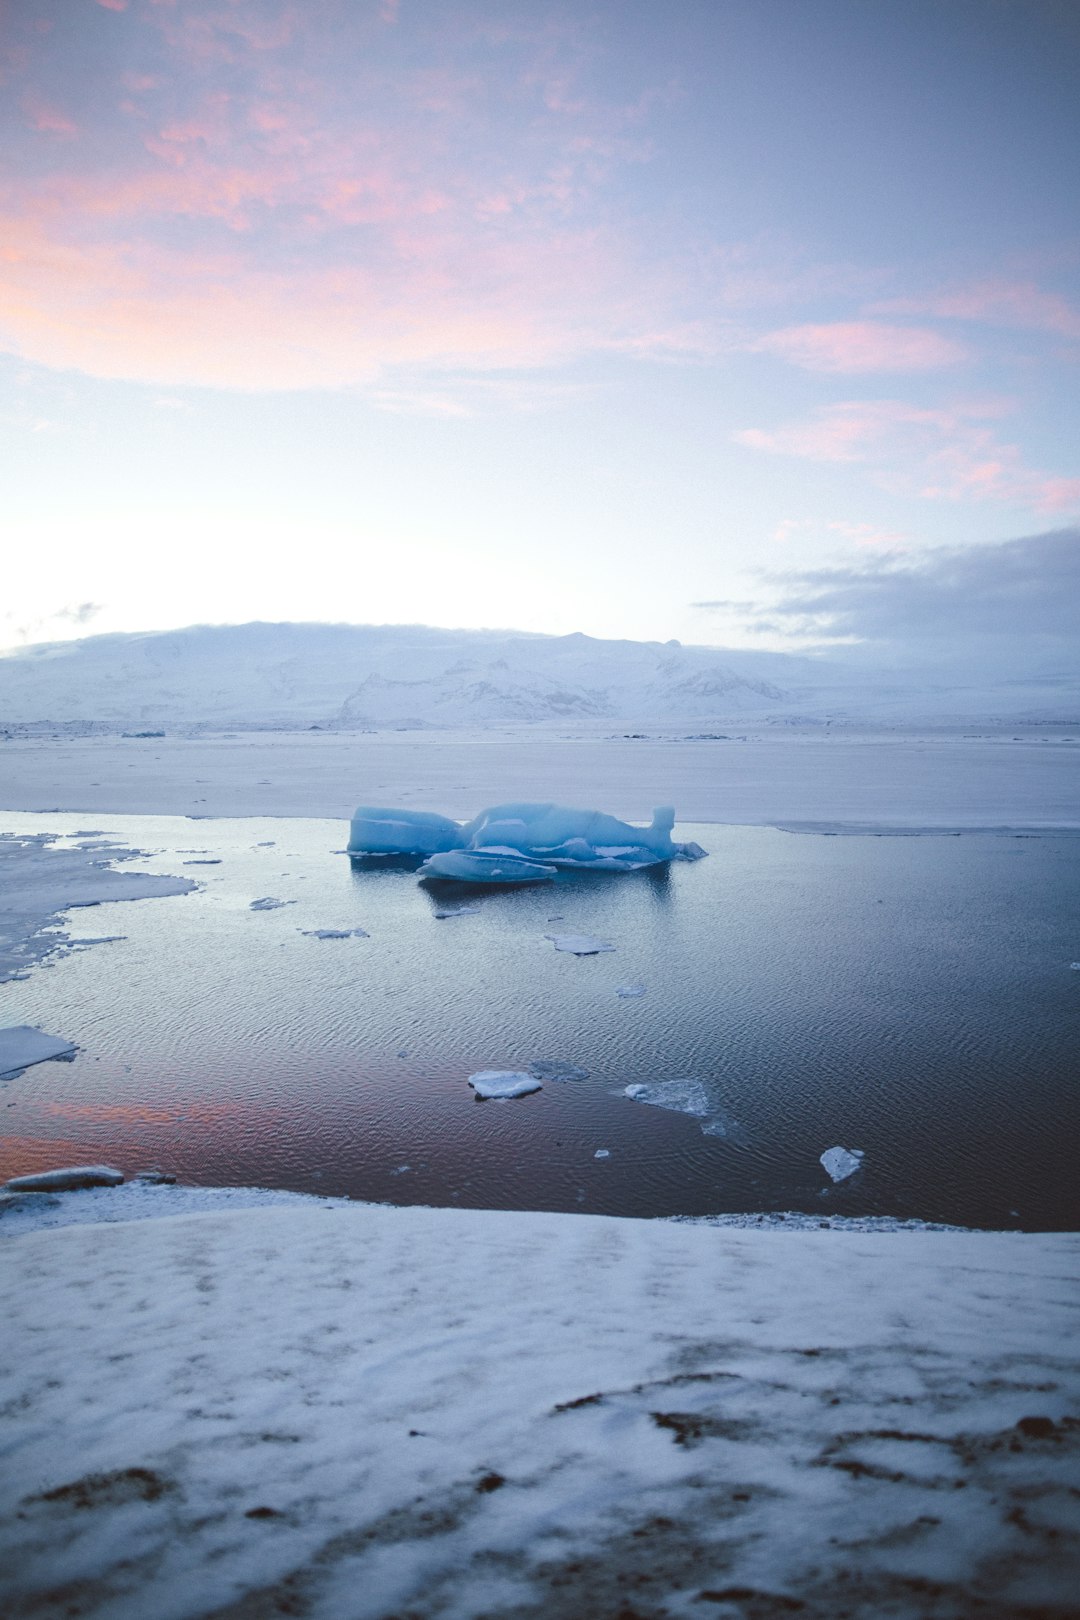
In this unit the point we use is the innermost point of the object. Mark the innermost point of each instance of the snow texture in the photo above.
(22, 1044)
(842, 1162)
(324, 1411)
(501, 1085)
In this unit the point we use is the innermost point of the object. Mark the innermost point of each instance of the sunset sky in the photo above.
(636, 317)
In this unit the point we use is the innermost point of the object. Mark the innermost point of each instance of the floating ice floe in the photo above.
(579, 944)
(629, 992)
(556, 1069)
(842, 1162)
(22, 1045)
(546, 835)
(70, 1179)
(502, 1084)
(693, 1098)
(270, 902)
(335, 933)
(602, 1153)
(457, 911)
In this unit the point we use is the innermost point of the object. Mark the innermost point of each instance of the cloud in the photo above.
(995, 302)
(861, 346)
(1012, 593)
(280, 196)
(939, 453)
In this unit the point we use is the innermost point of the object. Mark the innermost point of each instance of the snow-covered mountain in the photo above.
(355, 677)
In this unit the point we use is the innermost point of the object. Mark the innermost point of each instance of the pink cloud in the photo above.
(946, 453)
(997, 303)
(860, 346)
(41, 115)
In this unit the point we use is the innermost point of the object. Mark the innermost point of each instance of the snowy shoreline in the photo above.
(326, 1409)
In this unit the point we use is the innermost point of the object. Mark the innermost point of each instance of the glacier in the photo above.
(517, 842)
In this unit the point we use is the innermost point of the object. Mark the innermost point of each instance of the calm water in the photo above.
(908, 996)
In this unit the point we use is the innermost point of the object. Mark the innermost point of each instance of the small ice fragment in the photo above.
(401, 1170)
(335, 933)
(214, 861)
(579, 944)
(556, 1069)
(458, 911)
(155, 1178)
(1075, 966)
(842, 1162)
(503, 1083)
(267, 843)
(270, 903)
(23, 1044)
(628, 991)
(67, 1180)
(602, 1153)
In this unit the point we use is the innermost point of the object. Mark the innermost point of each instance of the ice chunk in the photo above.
(270, 902)
(376, 831)
(842, 1162)
(579, 944)
(22, 1044)
(682, 1096)
(546, 834)
(336, 933)
(556, 1069)
(485, 866)
(457, 911)
(570, 837)
(503, 1084)
(602, 1153)
(628, 991)
(67, 1180)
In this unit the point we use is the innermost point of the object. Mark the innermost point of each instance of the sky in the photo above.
(746, 322)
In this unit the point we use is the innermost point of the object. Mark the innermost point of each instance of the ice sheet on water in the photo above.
(336, 933)
(23, 1044)
(457, 911)
(841, 1162)
(557, 1069)
(579, 944)
(270, 902)
(691, 1097)
(502, 1084)
(629, 992)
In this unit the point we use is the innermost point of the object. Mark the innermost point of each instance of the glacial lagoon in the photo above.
(909, 996)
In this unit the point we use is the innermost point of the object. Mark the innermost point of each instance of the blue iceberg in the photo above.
(518, 843)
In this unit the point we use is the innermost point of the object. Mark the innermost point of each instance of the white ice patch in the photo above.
(22, 1044)
(502, 1084)
(602, 1153)
(629, 992)
(842, 1162)
(579, 944)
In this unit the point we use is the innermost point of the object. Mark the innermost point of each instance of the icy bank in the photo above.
(326, 1409)
(518, 843)
(39, 881)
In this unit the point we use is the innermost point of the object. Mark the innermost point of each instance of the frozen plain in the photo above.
(213, 1414)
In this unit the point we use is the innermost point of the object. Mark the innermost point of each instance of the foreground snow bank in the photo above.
(329, 1410)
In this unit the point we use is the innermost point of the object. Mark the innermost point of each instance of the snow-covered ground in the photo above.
(898, 779)
(352, 1411)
